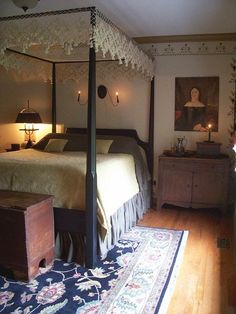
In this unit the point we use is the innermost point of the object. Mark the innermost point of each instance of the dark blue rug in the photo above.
(137, 276)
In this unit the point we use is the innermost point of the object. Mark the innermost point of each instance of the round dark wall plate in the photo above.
(102, 91)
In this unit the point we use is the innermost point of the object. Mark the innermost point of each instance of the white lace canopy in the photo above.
(64, 35)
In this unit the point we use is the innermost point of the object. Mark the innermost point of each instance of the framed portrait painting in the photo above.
(196, 103)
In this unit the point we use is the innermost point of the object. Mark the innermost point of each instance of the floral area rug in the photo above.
(137, 276)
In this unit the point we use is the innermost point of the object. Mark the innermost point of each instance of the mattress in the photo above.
(63, 176)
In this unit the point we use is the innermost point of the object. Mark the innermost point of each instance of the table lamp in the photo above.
(28, 116)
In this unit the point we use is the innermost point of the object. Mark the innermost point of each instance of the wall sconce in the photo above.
(103, 91)
(117, 98)
(78, 99)
(28, 116)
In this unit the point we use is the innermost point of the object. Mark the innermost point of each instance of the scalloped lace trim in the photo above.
(68, 32)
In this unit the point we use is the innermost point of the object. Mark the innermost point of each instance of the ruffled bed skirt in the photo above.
(124, 219)
(71, 246)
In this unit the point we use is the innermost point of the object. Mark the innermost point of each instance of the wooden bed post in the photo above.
(54, 113)
(151, 133)
(91, 176)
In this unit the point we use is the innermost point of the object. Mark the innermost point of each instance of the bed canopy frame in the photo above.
(71, 30)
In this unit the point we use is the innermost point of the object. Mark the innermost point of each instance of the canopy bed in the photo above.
(63, 36)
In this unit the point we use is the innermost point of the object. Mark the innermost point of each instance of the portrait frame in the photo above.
(196, 103)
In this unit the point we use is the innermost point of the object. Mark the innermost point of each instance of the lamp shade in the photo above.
(28, 116)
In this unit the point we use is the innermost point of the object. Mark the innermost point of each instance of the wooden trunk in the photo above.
(26, 233)
(208, 148)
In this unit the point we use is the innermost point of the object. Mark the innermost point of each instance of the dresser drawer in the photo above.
(178, 164)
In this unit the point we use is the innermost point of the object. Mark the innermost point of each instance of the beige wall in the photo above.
(169, 67)
(133, 109)
(15, 90)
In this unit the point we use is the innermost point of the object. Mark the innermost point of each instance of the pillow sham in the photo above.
(75, 142)
(103, 146)
(55, 145)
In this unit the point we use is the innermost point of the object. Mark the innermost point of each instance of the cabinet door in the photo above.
(177, 185)
(208, 187)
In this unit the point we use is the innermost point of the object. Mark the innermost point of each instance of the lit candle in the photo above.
(78, 96)
(209, 132)
(117, 98)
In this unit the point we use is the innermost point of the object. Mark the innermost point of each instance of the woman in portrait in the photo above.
(195, 111)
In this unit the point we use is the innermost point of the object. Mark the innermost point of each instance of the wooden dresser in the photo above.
(193, 182)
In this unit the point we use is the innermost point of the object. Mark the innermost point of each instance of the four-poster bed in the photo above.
(68, 30)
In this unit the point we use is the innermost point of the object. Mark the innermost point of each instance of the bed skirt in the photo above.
(71, 246)
(124, 219)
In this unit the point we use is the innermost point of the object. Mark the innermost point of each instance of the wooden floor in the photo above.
(206, 283)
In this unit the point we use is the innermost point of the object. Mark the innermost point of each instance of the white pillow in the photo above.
(55, 145)
(103, 146)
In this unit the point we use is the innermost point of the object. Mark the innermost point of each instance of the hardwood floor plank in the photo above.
(206, 283)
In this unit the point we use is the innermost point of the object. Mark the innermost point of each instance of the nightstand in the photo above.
(14, 147)
(11, 150)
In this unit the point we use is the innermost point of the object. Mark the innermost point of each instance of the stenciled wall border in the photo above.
(191, 48)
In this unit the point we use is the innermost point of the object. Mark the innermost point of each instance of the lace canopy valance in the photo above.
(64, 36)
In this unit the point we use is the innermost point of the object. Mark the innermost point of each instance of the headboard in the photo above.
(118, 132)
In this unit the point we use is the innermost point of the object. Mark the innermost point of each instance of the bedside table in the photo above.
(11, 150)
(14, 147)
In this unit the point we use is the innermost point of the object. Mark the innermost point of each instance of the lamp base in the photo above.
(29, 144)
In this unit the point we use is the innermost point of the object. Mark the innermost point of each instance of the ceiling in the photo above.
(144, 18)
